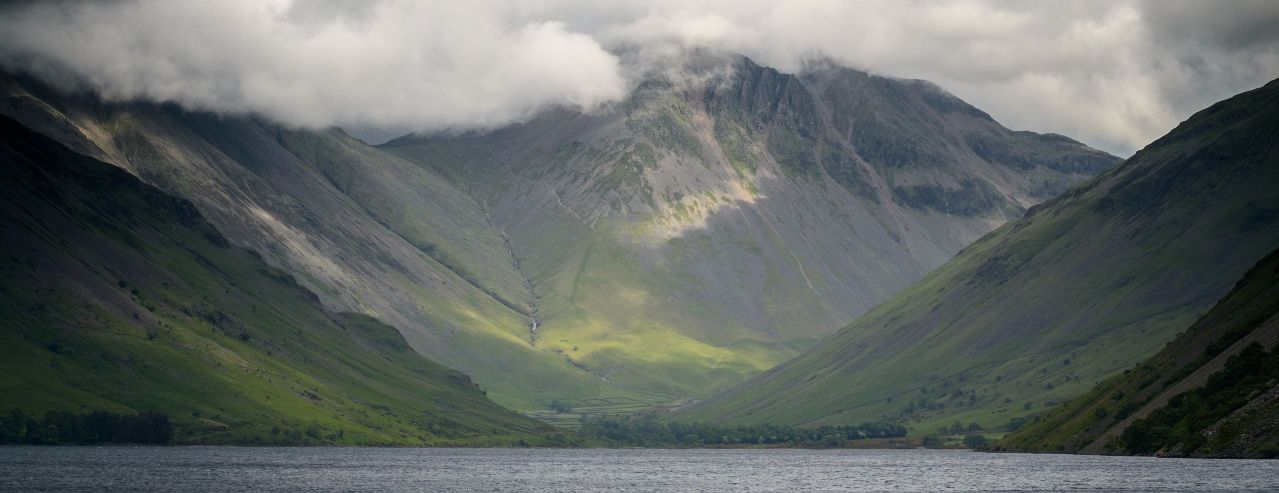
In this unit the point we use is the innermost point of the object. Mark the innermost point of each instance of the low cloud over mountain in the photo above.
(1115, 74)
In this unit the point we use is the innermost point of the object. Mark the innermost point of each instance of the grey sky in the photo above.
(1115, 74)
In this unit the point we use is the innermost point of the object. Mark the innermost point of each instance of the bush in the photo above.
(647, 430)
(560, 407)
(975, 442)
(1183, 419)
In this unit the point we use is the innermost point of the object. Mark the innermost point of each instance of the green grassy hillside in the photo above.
(1212, 392)
(1043, 308)
(117, 297)
(365, 231)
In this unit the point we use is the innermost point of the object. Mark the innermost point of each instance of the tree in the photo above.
(560, 407)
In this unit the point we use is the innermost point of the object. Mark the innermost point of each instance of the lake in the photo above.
(547, 470)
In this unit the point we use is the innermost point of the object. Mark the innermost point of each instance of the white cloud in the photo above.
(423, 65)
(1115, 74)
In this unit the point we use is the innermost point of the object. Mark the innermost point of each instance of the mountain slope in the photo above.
(719, 221)
(365, 231)
(117, 297)
(1212, 392)
(706, 229)
(1044, 307)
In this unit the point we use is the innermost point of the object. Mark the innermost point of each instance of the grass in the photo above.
(611, 315)
(734, 141)
(1098, 420)
(120, 298)
(616, 407)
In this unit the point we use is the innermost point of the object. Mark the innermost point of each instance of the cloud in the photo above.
(422, 65)
(1115, 74)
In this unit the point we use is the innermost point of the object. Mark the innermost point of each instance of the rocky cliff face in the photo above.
(696, 234)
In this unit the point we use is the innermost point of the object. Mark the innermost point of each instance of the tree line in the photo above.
(1183, 420)
(648, 431)
(62, 427)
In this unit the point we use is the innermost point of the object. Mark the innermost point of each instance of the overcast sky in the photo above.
(1114, 74)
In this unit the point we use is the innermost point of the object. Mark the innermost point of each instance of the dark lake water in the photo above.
(541, 470)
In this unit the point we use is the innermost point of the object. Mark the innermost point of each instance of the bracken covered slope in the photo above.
(1043, 308)
(117, 297)
(1212, 392)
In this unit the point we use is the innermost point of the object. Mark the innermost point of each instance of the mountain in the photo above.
(116, 297)
(720, 220)
(1212, 392)
(365, 231)
(1043, 308)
